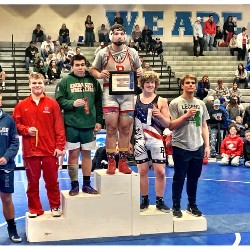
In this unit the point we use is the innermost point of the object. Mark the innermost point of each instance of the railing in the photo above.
(179, 84)
(12, 45)
(13, 51)
(162, 61)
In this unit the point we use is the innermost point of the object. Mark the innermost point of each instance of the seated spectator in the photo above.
(157, 46)
(37, 58)
(240, 127)
(218, 36)
(37, 34)
(30, 55)
(215, 123)
(67, 63)
(2, 77)
(234, 109)
(103, 35)
(49, 59)
(203, 87)
(137, 36)
(235, 91)
(246, 148)
(64, 35)
(57, 46)
(221, 90)
(40, 67)
(61, 58)
(53, 72)
(132, 45)
(233, 44)
(146, 67)
(78, 51)
(241, 75)
(231, 148)
(47, 47)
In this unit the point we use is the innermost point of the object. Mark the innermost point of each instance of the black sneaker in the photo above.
(14, 237)
(177, 212)
(88, 189)
(74, 188)
(160, 205)
(144, 204)
(194, 210)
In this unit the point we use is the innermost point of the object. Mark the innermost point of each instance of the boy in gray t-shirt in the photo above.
(190, 144)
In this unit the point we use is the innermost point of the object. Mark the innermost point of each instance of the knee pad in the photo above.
(73, 172)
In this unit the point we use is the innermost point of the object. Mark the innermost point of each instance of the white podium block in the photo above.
(189, 223)
(153, 221)
(116, 184)
(45, 228)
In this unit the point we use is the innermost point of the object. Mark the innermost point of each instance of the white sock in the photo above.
(3, 84)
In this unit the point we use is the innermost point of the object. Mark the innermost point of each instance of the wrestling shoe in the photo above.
(123, 166)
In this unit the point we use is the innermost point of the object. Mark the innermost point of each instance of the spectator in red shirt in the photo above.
(209, 30)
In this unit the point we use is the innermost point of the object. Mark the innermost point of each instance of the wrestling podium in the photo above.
(114, 212)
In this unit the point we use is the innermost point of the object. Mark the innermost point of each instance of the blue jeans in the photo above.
(89, 39)
(64, 39)
(186, 164)
(27, 62)
(209, 41)
(214, 134)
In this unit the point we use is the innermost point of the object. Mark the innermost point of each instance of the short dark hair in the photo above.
(117, 27)
(77, 58)
(233, 125)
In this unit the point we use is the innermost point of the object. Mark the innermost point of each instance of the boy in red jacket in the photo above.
(231, 147)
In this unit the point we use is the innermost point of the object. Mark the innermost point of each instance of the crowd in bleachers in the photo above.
(228, 117)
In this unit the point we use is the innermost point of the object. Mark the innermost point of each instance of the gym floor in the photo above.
(223, 197)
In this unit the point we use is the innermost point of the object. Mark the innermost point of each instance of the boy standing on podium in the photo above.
(190, 142)
(39, 121)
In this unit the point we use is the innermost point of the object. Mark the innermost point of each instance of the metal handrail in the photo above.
(15, 77)
(12, 44)
(179, 84)
(162, 61)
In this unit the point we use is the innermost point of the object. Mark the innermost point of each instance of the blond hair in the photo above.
(188, 76)
(150, 75)
(36, 76)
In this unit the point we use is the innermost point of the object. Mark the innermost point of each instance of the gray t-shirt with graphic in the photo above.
(189, 135)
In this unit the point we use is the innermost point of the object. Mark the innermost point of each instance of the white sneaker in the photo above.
(56, 212)
(30, 215)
